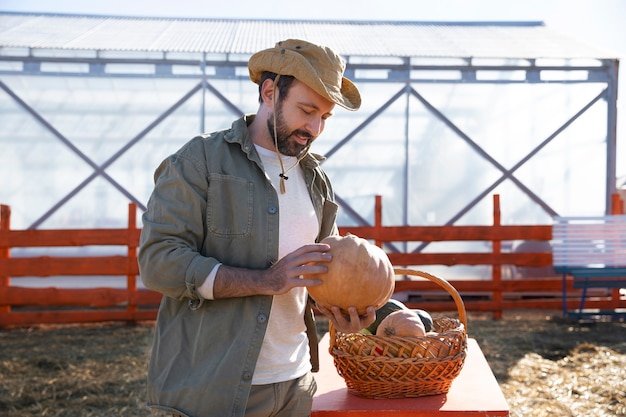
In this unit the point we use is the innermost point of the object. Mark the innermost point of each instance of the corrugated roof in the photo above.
(350, 38)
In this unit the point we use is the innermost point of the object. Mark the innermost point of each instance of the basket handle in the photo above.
(442, 283)
(439, 281)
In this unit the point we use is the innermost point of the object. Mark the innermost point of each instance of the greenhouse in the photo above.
(452, 114)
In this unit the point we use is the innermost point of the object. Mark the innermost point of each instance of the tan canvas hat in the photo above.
(317, 66)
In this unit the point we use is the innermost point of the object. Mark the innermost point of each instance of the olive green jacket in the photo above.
(213, 203)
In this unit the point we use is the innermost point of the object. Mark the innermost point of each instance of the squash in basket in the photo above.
(401, 323)
(389, 307)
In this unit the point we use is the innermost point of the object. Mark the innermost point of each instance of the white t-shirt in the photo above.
(298, 226)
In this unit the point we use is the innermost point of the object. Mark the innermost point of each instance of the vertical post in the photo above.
(617, 204)
(617, 208)
(497, 265)
(203, 93)
(611, 130)
(131, 279)
(378, 219)
(5, 251)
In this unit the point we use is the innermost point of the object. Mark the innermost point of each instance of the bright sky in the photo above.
(597, 22)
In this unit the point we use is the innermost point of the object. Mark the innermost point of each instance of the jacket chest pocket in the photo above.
(229, 205)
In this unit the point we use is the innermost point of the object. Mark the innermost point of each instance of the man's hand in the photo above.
(297, 269)
(352, 323)
(287, 273)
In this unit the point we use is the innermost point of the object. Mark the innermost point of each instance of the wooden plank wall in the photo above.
(21, 306)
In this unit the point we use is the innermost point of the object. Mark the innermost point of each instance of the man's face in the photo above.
(300, 119)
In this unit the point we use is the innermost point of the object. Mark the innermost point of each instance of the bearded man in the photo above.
(231, 228)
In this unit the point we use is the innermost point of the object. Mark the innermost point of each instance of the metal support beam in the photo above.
(611, 133)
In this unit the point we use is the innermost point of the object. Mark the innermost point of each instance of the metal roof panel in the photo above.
(246, 36)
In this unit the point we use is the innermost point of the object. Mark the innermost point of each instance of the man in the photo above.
(230, 231)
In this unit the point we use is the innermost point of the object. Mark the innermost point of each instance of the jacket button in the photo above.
(272, 209)
(247, 376)
(261, 318)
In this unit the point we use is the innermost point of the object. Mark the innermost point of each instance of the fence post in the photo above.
(496, 272)
(617, 204)
(5, 279)
(131, 279)
(617, 208)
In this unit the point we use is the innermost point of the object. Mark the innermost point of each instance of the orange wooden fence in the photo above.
(24, 306)
(21, 305)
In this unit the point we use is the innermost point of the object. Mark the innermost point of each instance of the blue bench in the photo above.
(593, 251)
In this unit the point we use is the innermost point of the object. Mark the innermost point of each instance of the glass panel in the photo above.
(480, 139)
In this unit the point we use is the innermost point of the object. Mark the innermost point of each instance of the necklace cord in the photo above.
(282, 175)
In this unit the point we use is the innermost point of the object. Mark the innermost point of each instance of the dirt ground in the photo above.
(545, 365)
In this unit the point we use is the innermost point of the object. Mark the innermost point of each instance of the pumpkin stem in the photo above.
(390, 331)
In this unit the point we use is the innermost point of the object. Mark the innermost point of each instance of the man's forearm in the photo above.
(237, 282)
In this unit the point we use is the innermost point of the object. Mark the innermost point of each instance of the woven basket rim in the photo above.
(451, 332)
(413, 361)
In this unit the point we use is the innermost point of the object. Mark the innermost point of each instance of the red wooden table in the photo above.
(475, 392)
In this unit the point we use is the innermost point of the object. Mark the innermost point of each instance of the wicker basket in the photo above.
(401, 367)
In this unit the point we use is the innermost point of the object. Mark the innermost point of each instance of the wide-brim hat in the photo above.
(317, 66)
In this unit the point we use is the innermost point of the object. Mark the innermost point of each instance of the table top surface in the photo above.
(474, 392)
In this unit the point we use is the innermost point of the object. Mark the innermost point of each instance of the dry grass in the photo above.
(546, 366)
(74, 371)
(587, 382)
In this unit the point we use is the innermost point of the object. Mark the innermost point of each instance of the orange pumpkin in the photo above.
(360, 275)
(401, 323)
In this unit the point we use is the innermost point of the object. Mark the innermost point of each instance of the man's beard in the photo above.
(284, 143)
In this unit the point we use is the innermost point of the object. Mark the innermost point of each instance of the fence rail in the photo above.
(20, 306)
